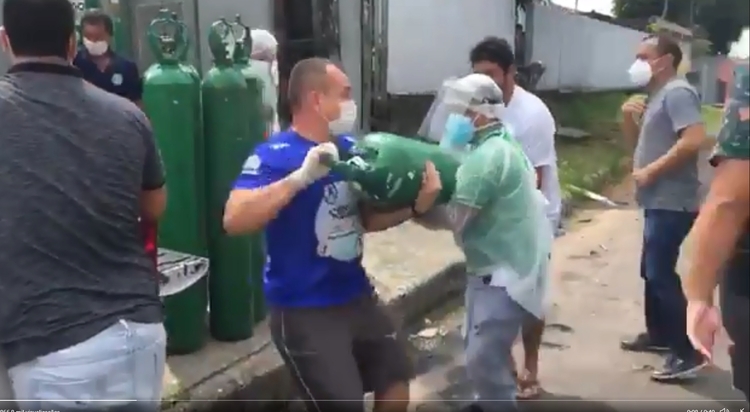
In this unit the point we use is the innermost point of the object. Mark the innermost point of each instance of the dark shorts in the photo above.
(340, 353)
(735, 312)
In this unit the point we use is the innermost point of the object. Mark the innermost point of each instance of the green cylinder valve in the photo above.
(167, 38)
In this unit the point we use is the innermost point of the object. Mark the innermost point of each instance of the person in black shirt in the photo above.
(80, 315)
(100, 65)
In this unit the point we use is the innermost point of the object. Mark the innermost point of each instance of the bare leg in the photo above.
(393, 399)
(531, 334)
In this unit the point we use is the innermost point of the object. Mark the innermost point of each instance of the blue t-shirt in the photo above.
(314, 245)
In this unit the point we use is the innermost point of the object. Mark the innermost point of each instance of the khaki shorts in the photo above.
(337, 354)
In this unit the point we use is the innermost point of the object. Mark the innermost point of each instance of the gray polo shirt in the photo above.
(73, 162)
(668, 113)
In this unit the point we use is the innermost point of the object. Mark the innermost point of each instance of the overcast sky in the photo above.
(599, 6)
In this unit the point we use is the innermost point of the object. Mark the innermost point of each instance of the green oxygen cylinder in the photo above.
(387, 169)
(228, 143)
(171, 102)
(254, 114)
(200, 155)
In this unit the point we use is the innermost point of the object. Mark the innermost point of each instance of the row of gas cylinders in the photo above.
(205, 129)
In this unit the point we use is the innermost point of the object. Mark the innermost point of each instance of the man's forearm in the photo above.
(247, 211)
(715, 233)
(682, 152)
(377, 221)
(630, 131)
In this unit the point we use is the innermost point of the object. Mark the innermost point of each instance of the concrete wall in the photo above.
(581, 53)
(350, 30)
(708, 69)
(429, 41)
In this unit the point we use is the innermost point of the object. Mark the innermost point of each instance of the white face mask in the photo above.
(640, 72)
(345, 123)
(96, 48)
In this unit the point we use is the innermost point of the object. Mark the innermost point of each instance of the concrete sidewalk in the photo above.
(412, 269)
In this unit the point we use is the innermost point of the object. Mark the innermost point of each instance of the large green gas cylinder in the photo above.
(171, 99)
(387, 169)
(200, 154)
(254, 114)
(228, 143)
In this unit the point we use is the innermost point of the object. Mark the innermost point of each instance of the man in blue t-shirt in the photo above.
(325, 319)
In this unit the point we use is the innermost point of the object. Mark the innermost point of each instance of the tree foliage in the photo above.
(723, 20)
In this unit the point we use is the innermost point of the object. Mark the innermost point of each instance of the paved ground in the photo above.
(597, 301)
(405, 264)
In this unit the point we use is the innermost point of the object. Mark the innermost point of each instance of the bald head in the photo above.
(318, 84)
(308, 75)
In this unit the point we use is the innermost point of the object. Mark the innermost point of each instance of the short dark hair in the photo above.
(307, 75)
(98, 18)
(495, 50)
(39, 28)
(666, 44)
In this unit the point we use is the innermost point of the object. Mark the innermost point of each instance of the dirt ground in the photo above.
(597, 301)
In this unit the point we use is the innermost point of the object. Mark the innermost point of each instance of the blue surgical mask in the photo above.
(459, 130)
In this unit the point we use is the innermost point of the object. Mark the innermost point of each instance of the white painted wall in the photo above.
(429, 40)
(581, 53)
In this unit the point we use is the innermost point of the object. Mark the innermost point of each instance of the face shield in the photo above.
(462, 107)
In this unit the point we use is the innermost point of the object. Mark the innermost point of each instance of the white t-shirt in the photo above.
(532, 124)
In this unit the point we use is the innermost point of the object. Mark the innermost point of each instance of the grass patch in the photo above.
(592, 112)
(591, 165)
(713, 117)
(594, 162)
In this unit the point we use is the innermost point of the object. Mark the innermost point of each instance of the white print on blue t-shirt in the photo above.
(337, 225)
(117, 79)
(252, 165)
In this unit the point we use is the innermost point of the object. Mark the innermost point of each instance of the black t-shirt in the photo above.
(738, 270)
(73, 162)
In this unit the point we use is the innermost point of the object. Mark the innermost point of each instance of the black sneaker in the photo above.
(643, 343)
(676, 369)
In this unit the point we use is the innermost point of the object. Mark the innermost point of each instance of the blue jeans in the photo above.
(664, 301)
(121, 368)
(493, 322)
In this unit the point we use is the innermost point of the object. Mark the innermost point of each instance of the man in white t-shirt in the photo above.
(532, 124)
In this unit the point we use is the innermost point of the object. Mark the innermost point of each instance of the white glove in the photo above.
(312, 169)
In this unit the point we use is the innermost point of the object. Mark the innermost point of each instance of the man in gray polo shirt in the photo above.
(80, 314)
(669, 132)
